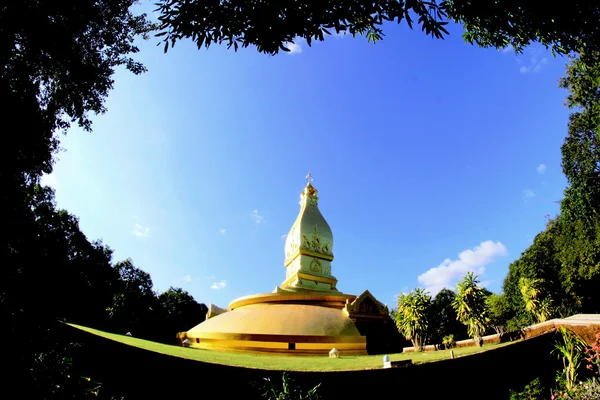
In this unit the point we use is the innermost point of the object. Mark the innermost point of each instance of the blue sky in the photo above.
(431, 158)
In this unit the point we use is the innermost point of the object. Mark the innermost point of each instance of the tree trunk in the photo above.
(417, 343)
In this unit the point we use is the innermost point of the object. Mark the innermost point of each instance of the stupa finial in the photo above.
(309, 178)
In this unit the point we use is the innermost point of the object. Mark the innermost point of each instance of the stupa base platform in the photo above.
(280, 344)
(294, 324)
(298, 323)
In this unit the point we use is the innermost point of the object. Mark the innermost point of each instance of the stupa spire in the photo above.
(309, 178)
(309, 247)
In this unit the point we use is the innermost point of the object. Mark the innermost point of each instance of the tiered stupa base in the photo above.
(298, 323)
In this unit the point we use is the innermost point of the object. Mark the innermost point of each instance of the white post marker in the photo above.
(334, 353)
(386, 362)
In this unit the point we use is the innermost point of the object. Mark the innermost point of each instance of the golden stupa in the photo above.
(306, 314)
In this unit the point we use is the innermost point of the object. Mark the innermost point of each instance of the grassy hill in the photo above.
(285, 363)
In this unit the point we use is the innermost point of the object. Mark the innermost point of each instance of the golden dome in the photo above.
(280, 319)
(309, 247)
(280, 328)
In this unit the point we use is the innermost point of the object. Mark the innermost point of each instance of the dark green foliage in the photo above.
(580, 208)
(566, 255)
(541, 262)
(57, 61)
(445, 321)
(180, 312)
(289, 390)
(67, 277)
(271, 25)
(134, 307)
(563, 28)
(498, 310)
(532, 391)
(52, 372)
(56, 273)
(581, 165)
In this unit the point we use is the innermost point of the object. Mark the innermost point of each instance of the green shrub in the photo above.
(532, 391)
(287, 391)
(448, 341)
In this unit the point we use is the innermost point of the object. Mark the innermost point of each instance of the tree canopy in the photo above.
(445, 321)
(58, 60)
(270, 26)
(181, 311)
(58, 275)
(471, 308)
(413, 316)
(565, 258)
(498, 310)
(562, 28)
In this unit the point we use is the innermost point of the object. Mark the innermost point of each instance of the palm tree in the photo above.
(413, 316)
(531, 293)
(471, 308)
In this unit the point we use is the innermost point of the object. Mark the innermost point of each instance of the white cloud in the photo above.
(256, 217)
(222, 231)
(283, 237)
(187, 278)
(535, 65)
(449, 272)
(541, 168)
(528, 194)
(140, 230)
(49, 180)
(219, 285)
(533, 60)
(507, 49)
(294, 48)
(538, 66)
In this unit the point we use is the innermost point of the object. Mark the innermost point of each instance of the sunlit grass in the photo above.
(285, 363)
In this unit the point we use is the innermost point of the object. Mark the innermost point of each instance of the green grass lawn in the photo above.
(285, 363)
